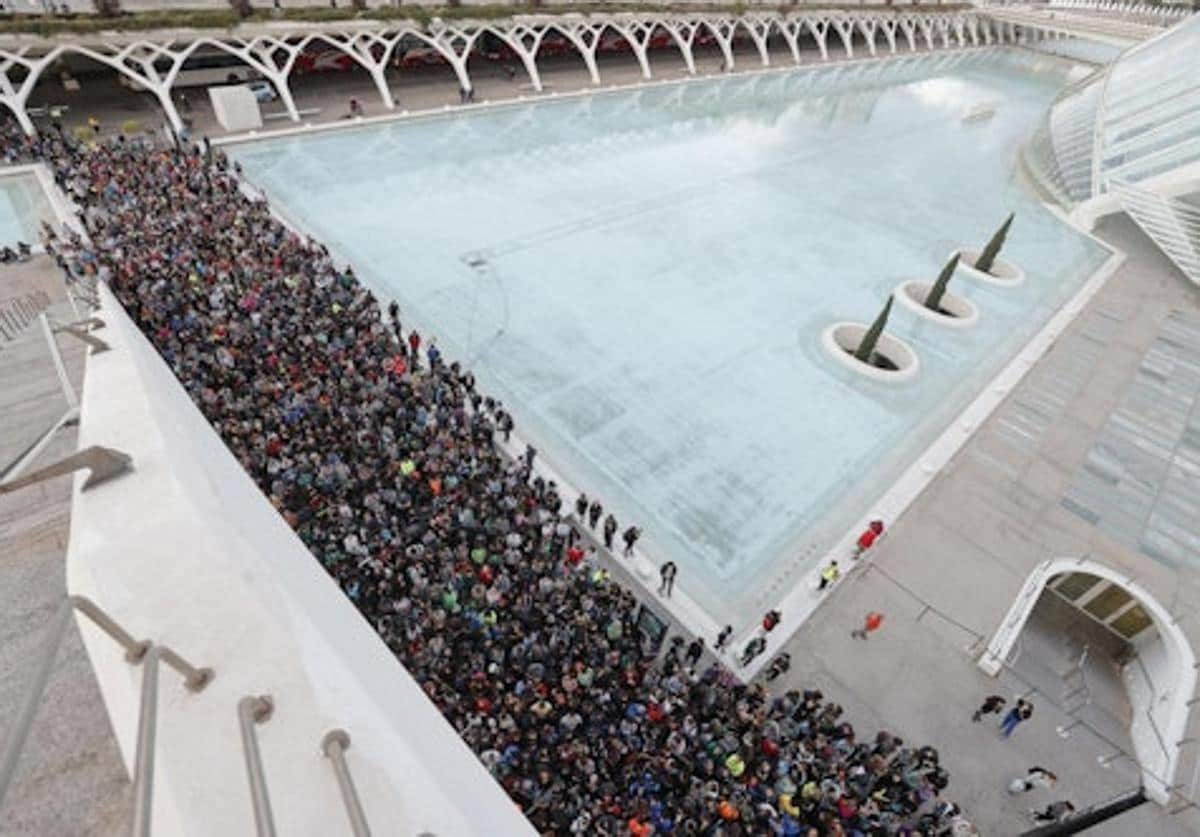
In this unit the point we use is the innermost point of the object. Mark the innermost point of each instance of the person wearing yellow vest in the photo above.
(829, 575)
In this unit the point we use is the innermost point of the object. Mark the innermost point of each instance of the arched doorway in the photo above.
(1093, 613)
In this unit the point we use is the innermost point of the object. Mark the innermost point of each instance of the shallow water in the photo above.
(644, 276)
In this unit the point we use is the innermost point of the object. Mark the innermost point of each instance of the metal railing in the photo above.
(195, 679)
(251, 711)
(334, 745)
(136, 651)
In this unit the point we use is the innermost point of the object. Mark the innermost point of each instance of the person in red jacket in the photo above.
(771, 620)
(867, 539)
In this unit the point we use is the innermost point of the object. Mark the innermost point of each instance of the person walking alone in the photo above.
(868, 537)
(991, 704)
(829, 575)
(871, 623)
(1036, 778)
(630, 536)
(770, 620)
(723, 638)
(667, 573)
(779, 667)
(594, 512)
(1021, 712)
(753, 648)
(610, 530)
(1054, 812)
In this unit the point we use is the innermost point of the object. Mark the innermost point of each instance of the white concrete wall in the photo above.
(187, 551)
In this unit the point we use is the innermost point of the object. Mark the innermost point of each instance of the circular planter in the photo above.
(959, 312)
(841, 339)
(1003, 272)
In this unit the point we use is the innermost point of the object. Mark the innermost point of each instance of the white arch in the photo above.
(888, 25)
(637, 34)
(722, 29)
(586, 38)
(759, 29)
(525, 41)
(1158, 768)
(819, 28)
(683, 32)
(867, 26)
(845, 28)
(790, 29)
(908, 26)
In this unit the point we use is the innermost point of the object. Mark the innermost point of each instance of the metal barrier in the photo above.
(136, 651)
(143, 773)
(256, 710)
(334, 745)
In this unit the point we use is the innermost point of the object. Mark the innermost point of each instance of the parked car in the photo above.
(263, 90)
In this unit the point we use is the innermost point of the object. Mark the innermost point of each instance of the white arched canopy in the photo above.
(154, 66)
(1166, 711)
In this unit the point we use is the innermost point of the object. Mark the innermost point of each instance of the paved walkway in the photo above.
(949, 569)
(70, 779)
(324, 98)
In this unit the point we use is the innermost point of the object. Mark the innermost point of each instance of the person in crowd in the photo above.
(457, 555)
(594, 512)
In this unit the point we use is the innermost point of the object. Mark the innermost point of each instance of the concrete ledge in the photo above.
(187, 551)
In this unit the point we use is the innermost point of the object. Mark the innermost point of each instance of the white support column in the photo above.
(158, 83)
(15, 96)
(454, 44)
(960, 30)
(128, 59)
(888, 25)
(372, 50)
(867, 27)
(845, 28)
(943, 29)
(586, 38)
(790, 29)
(524, 40)
(683, 32)
(973, 30)
(759, 29)
(909, 27)
(722, 29)
(926, 30)
(265, 49)
(638, 33)
(819, 28)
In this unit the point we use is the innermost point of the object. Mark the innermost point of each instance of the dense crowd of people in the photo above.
(383, 458)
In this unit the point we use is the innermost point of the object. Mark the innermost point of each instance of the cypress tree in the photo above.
(867, 347)
(933, 301)
(989, 254)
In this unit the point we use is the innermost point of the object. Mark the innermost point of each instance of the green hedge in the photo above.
(228, 19)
